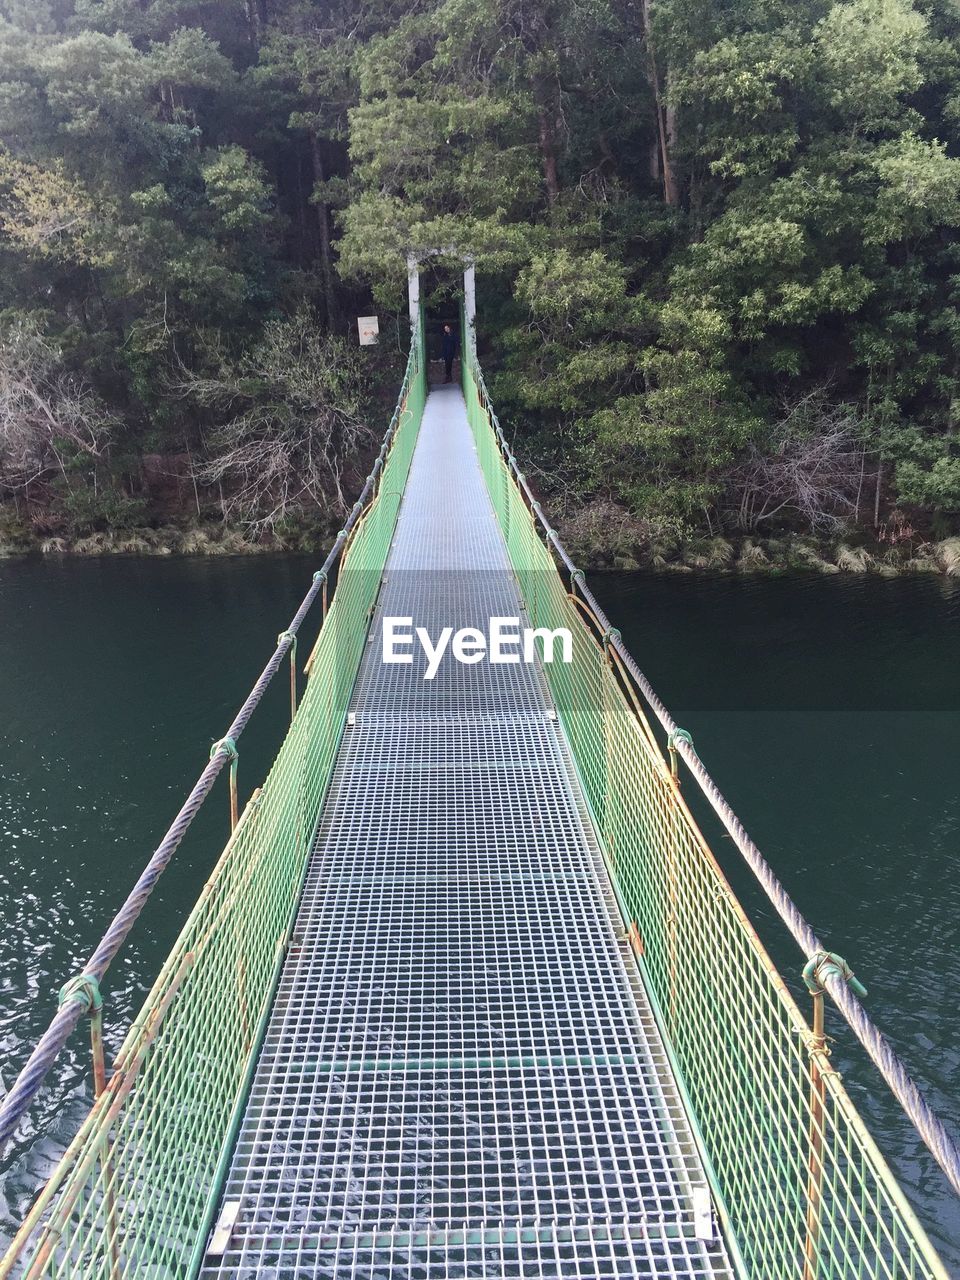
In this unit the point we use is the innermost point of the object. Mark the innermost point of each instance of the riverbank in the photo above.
(596, 540)
(774, 556)
(603, 536)
(168, 540)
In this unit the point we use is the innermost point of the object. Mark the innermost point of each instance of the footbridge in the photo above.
(467, 993)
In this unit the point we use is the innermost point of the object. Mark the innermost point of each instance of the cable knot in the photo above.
(577, 575)
(321, 574)
(611, 634)
(679, 735)
(84, 987)
(288, 635)
(827, 964)
(226, 745)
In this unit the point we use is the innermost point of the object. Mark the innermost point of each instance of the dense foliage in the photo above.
(717, 249)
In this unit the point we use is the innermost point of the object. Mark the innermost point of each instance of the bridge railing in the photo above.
(799, 1185)
(134, 1195)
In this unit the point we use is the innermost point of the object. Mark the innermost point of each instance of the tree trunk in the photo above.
(304, 236)
(323, 224)
(666, 124)
(654, 160)
(670, 122)
(549, 154)
(876, 495)
(603, 144)
(863, 468)
(253, 22)
(257, 18)
(695, 205)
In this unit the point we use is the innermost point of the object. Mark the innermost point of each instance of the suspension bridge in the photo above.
(467, 993)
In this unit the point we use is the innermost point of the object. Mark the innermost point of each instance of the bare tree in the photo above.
(810, 468)
(290, 424)
(48, 415)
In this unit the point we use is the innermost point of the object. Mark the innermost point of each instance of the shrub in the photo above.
(88, 512)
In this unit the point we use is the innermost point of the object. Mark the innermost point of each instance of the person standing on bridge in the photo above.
(448, 352)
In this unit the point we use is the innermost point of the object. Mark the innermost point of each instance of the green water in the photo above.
(827, 708)
(115, 677)
(828, 711)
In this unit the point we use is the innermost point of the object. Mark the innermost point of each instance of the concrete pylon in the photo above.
(413, 288)
(469, 304)
(469, 290)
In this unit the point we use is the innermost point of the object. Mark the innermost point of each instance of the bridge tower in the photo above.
(469, 287)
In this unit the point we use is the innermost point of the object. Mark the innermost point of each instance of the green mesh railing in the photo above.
(802, 1189)
(136, 1190)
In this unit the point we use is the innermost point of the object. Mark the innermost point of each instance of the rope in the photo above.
(824, 965)
(84, 987)
(24, 1089)
(928, 1124)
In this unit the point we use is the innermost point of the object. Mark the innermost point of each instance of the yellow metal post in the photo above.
(290, 635)
(229, 747)
(106, 1164)
(818, 1056)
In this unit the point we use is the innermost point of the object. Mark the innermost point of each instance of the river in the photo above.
(828, 710)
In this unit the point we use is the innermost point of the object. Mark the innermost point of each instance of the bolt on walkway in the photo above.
(461, 1075)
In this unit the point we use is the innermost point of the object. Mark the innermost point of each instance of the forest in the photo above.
(717, 254)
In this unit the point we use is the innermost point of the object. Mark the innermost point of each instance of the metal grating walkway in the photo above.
(461, 1075)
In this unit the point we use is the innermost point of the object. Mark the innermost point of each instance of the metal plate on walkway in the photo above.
(461, 1075)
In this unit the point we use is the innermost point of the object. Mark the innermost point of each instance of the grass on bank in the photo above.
(598, 536)
(603, 536)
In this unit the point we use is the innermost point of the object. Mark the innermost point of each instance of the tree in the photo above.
(290, 424)
(48, 416)
(45, 212)
(684, 215)
(809, 468)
